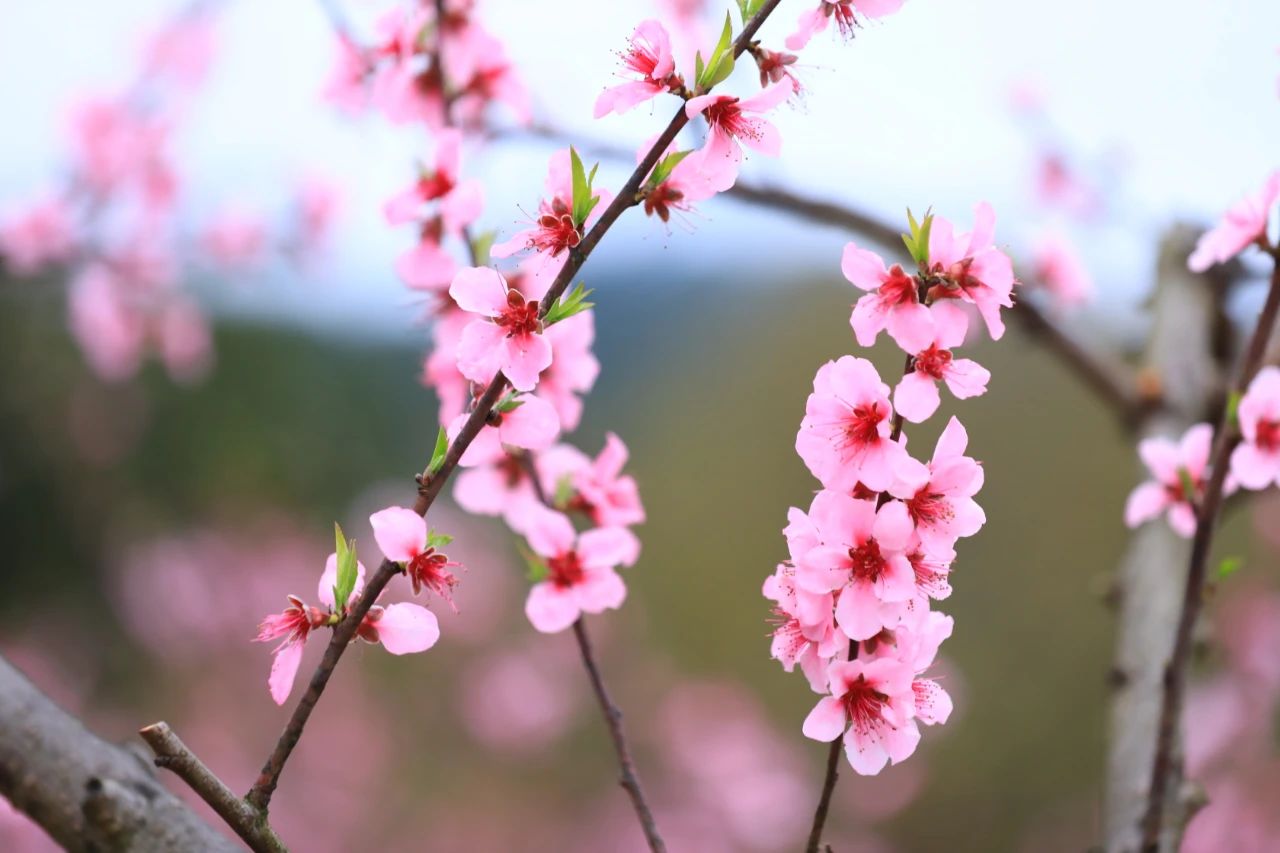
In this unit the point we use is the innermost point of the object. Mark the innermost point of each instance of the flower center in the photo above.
(868, 563)
(864, 705)
(566, 569)
(863, 424)
(1268, 436)
(661, 199)
(429, 569)
(556, 231)
(520, 317)
(899, 288)
(434, 186)
(933, 361)
(929, 507)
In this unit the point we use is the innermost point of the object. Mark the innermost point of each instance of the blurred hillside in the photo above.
(242, 476)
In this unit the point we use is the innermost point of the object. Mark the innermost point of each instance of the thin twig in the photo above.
(628, 778)
(431, 484)
(1175, 678)
(248, 823)
(613, 719)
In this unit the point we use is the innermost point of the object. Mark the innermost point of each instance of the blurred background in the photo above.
(153, 516)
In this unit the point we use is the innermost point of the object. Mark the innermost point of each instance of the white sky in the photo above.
(914, 111)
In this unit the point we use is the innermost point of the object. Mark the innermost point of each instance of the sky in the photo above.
(1174, 108)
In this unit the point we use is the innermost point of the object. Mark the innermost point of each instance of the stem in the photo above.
(1175, 677)
(627, 776)
(260, 795)
(833, 754)
(247, 821)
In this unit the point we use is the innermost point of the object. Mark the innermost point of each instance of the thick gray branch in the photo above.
(1181, 352)
(89, 795)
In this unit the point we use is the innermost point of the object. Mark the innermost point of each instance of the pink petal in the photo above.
(534, 425)
(407, 628)
(462, 206)
(866, 753)
(480, 290)
(606, 547)
(550, 533)
(911, 327)
(619, 99)
(401, 533)
(1254, 468)
(916, 398)
(479, 351)
(524, 357)
(893, 526)
(1182, 519)
(404, 206)
(551, 609)
(862, 267)
(826, 721)
(600, 590)
(284, 667)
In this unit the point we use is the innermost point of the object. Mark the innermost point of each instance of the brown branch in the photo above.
(431, 484)
(89, 795)
(172, 754)
(1175, 677)
(628, 778)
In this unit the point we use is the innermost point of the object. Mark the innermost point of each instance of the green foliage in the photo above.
(584, 199)
(348, 570)
(569, 304)
(665, 167)
(917, 241)
(720, 65)
(437, 455)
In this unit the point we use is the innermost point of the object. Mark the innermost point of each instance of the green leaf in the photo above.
(1188, 485)
(509, 403)
(574, 302)
(537, 569)
(698, 66)
(347, 568)
(1233, 408)
(480, 246)
(720, 65)
(583, 200)
(438, 540)
(666, 166)
(1229, 566)
(564, 490)
(918, 240)
(437, 455)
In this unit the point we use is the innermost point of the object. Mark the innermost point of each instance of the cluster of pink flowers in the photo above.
(1180, 470)
(113, 225)
(876, 546)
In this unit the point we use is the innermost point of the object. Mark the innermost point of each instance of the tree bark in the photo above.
(1182, 354)
(88, 794)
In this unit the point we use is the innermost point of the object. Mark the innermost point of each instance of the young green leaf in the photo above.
(509, 403)
(564, 490)
(347, 568)
(1188, 485)
(1229, 566)
(720, 65)
(1233, 408)
(583, 200)
(480, 245)
(537, 569)
(437, 455)
(574, 302)
(438, 540)
(666, 166)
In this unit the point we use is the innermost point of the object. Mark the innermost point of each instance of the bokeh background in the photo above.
(149, 524)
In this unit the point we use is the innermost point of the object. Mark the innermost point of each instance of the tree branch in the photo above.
(430, 485)
(1155, 828)
(89, 795)
(172, 754)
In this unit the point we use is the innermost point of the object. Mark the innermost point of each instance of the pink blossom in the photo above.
(875, 702)
(508, 338)
(916, 644)
(843, 11)
(554, 231)
(460, 202)
(404, 539)
(892, 302)
(235, 239)
(804, 630)
(1255, 463)
(916, 395)
(531, 425)
(502, 487)
(183, 50)
(573, 371)
(427, 266)
(581, 576)
(440, 368)
(971, 268)
(861, 556)
(649, 63)
(42, 233)
(775, 66)
(401, 628)
(679, 191)
(1245, 223)
(603, 492)
(184, 341)
(844, 438)
(1061, 271)
(1174, 467)
(735, 122)
(111, 331)
(345, 86)
(939, 496)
